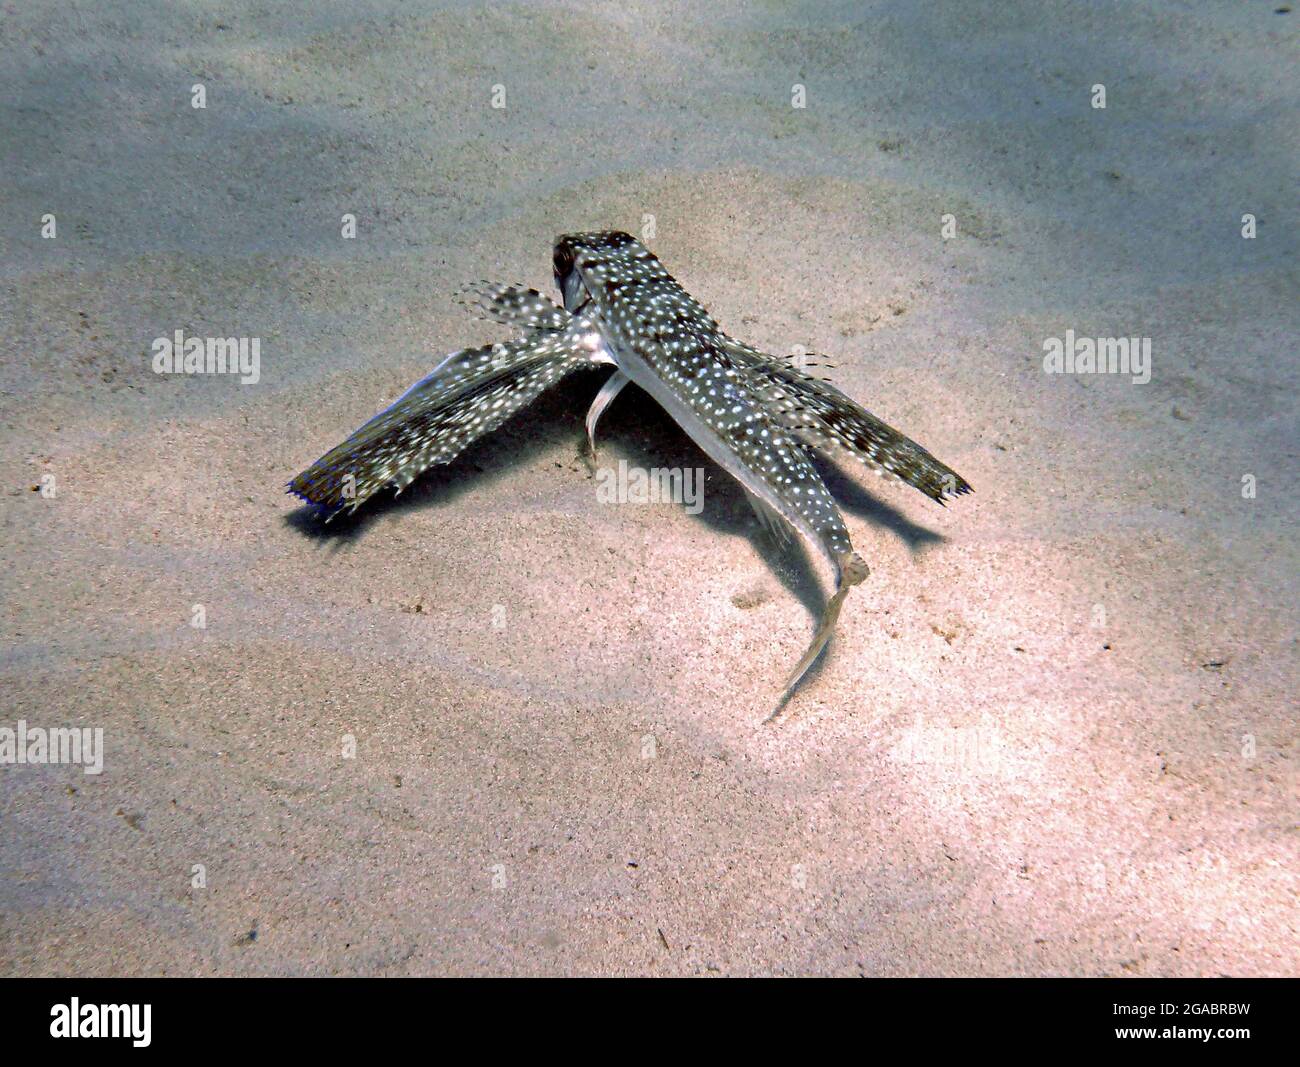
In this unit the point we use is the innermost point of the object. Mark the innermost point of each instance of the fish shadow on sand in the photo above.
(637, 430)
(865, 505)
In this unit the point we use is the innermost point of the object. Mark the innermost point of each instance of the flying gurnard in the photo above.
(756, 416)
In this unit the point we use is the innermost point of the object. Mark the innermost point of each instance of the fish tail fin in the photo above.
(852, 570)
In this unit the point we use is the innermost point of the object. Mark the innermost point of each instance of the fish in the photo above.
(760, 418)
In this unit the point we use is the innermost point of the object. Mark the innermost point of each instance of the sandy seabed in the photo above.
(499, 726)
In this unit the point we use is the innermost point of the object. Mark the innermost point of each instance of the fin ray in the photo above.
(771, 520)
(514, 305)
(612, 387)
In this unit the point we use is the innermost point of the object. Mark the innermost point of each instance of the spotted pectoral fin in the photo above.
(515, 306)
(469, 394)
(825, 418)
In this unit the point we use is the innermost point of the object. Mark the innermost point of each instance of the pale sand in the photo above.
(1026, 750)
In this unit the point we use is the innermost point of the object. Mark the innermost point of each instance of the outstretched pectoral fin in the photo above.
(612, 387)
(825, 418)
(469, 394)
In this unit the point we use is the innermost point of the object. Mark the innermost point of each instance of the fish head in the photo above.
(574, 251)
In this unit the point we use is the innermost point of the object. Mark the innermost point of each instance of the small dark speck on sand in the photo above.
(750, 599)
(132, 819)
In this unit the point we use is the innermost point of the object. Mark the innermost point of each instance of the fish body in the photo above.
(755, 416)
(664, 340)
